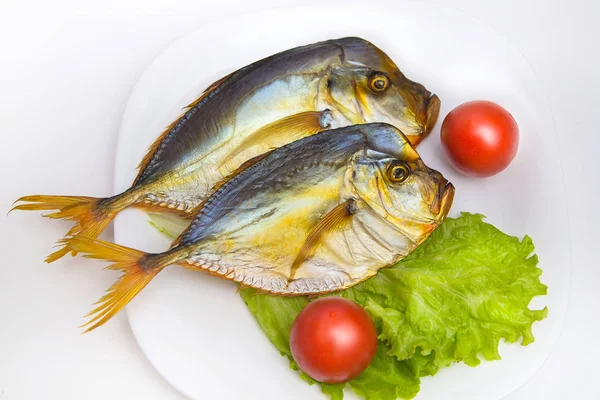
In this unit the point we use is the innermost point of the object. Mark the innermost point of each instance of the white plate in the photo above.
(194, 329)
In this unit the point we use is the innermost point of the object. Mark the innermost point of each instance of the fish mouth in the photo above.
(426, 117)
(443, 199)
(432, 111)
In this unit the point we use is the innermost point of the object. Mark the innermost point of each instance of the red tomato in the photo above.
(480, 138)
(333, 340)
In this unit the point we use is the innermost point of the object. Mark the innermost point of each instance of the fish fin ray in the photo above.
(295, 127)
(245, 165)
(137, 273)
(335, 218)
(210, 89)
(90, 214)
(155, 146)
(156, 208)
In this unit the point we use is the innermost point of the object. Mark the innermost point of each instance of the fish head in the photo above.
(397, 186)
(368, 86)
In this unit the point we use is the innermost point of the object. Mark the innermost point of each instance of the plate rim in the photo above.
(287, 8)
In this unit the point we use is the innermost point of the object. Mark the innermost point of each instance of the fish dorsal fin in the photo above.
(209, 89)
(215, 188)
(285, 130)
(156, 144)
(335, 218)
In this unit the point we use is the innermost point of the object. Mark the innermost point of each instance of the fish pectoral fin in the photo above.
(285, 130)
(335, 218)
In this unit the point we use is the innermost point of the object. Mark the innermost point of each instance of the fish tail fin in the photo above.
(138, 268)
(90, 214)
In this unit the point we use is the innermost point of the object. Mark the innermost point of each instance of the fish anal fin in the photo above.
(149, 207)
(334, 219)
(283, 131)
(156, 144)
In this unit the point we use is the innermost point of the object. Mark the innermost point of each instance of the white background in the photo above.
(66, 71)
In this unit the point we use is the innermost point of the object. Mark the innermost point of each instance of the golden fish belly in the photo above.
(262, 251)
(263, 257)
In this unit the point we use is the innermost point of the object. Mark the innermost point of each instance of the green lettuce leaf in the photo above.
(451, 300)
(457, 295)
(386, 378)
(335, 392)
(167, 224)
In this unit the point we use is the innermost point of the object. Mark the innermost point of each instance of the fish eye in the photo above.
(378, 82)
(398, 171)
